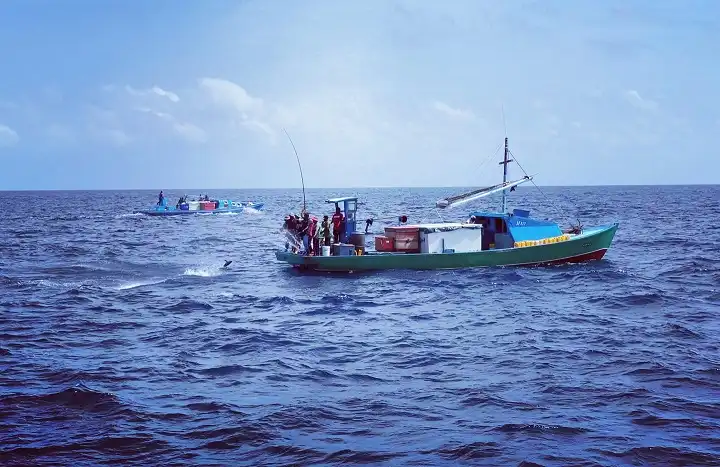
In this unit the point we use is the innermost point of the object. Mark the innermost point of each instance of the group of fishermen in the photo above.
(303, 231)
(183, 199)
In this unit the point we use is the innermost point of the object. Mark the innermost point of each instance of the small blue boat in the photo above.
(203, 206)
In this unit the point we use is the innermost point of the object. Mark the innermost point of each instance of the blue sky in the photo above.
(164, 94)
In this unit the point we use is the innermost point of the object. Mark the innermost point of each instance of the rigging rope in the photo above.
(551, 202)
(490, 156)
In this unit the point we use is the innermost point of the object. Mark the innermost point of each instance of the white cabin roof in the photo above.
(441, 225)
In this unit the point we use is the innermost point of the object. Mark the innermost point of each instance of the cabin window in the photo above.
(352, 205)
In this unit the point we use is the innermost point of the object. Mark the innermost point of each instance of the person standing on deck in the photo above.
(324, 233)
(304, 231)
(337, 221)
(313, 239)
(161, 198)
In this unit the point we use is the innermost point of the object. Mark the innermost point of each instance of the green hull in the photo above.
(591, 245)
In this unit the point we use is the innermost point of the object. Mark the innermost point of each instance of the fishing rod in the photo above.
(302, 180)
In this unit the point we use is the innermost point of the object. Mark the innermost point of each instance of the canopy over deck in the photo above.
(341, 199)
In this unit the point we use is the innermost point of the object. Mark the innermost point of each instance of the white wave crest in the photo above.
(135, 284)
(203, 271)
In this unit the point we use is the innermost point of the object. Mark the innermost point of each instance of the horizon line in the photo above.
(24, 190)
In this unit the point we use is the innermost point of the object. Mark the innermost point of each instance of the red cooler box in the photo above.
(383, 243)
(406, 238)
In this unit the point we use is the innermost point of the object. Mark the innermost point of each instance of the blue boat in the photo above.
(204, 205)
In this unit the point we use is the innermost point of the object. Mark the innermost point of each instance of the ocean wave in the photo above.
(123, 340)
(136, 284)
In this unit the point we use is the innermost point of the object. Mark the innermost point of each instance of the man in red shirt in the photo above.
(337, 222)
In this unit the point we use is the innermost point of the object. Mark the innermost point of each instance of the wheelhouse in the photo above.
(502, 231)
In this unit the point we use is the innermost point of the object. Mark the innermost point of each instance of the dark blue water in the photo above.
(122, 341)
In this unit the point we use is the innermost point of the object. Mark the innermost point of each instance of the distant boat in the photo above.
(204, 205)
(487, 239)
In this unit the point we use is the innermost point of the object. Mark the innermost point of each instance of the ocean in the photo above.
(124, 341)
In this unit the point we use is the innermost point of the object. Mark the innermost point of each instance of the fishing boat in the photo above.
(204, 205)
(484, 239)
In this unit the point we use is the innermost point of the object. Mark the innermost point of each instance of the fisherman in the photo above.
(313, 238)
(337, 221)
(324, 233)
(290, 226)
(161, 199)
(304, 231)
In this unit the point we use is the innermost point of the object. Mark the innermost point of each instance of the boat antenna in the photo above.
(302, 180)
(502, 110)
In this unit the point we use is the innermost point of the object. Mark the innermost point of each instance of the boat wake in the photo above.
(249, 210)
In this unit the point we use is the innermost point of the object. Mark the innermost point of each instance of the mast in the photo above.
(505, 163)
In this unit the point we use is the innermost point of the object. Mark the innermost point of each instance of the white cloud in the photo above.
(161, 92)
(226, 93)
(460, 114)
(256, 125)
(8, 136)
(163, 115)
(158, 91)
(190, 132)
(634, 98)
(186, 130)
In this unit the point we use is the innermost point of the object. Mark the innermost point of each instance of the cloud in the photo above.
(155, 90)
(226, 93)
(163, 115)
(8, 136)
(633, 97)
(190, 132)
(170, 95)
(460, 114)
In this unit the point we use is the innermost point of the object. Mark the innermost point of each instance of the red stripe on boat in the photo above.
(592, 256)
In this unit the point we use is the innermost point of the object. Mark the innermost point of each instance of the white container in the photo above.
(462, 238)
(325, 250)
(193, 206)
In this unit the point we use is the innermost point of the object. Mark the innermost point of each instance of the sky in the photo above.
(181, 94)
